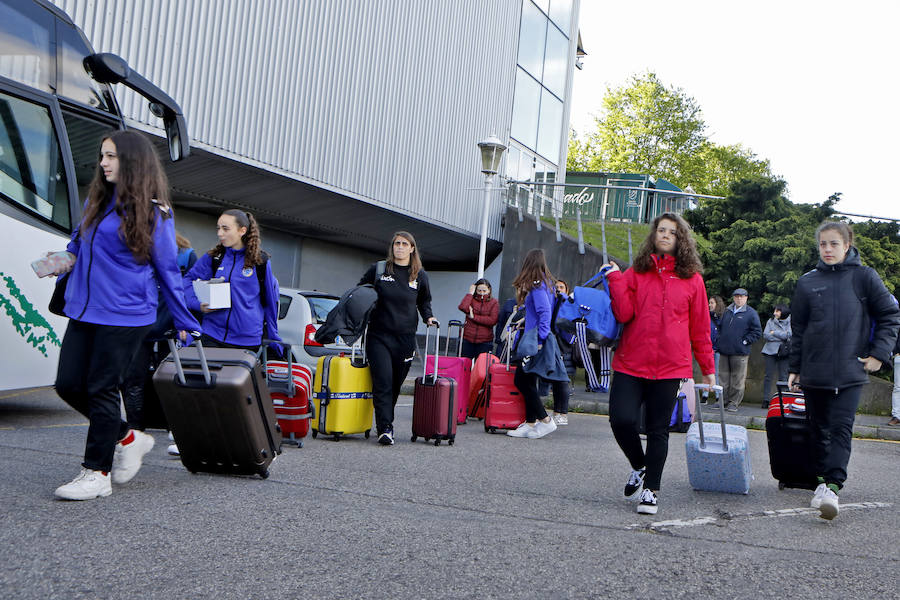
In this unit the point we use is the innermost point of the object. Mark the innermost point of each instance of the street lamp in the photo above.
(491, 153)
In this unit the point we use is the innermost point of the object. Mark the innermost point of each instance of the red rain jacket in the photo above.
(665, 318)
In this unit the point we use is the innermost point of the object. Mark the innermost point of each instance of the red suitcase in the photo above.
(504, 407)
(434, 402)
(290, 397)
(456, 367)
(476, 384)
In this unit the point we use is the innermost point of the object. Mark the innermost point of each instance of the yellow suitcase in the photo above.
(342, 398)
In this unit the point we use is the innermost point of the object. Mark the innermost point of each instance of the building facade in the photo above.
(338, 122)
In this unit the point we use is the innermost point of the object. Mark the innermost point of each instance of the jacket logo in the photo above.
(247, 271)
(386, 277)
(414, 284)
(819, 289)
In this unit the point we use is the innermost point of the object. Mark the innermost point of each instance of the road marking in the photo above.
(25, 393)
(764, 514)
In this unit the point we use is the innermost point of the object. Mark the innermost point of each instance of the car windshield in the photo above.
(320, 306)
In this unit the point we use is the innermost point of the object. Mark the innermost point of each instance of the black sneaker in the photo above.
(386, 438)
(635, 483)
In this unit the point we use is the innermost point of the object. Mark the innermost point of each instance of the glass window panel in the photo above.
(31, 166)
(556, 61)
(550, 126)
(561, 13)
(542, 4)
(25, 44)
(84, 140)
(532, 38)
(73, 81)
(526, 107)
(512, 163)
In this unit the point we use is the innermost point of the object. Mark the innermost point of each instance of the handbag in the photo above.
(526, 345)
(784, 350)
(58, 299)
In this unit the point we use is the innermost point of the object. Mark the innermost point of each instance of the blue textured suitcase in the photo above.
(718, 455)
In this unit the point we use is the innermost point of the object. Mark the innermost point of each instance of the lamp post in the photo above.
(491, 153)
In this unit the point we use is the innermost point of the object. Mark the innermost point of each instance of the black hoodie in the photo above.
(831, 317)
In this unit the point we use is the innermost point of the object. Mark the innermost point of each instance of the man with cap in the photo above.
(739, 329)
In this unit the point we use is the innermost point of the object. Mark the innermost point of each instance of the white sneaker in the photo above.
(87, 485)
(816, 501)
(829, 508)
(173, 450)
(521, 431)
(648, 504)
(541, 429)
(561, 418)
(128, 458)
(171, 437)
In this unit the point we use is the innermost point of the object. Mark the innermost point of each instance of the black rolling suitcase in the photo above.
(789, 432)
(219, 410)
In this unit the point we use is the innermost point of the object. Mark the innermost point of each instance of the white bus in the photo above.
(55, 104)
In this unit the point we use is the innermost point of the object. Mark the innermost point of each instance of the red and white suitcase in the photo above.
(504, 406)
(290, 397)
(434, 401)
(456, 367)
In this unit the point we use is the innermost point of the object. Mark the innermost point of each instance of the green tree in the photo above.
(648, 127)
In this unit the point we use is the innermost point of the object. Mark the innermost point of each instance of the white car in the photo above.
(300, 314)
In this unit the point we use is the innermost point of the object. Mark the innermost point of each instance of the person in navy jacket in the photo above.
(253, 315)
(125, 252)
(738, 329)
(535, 290)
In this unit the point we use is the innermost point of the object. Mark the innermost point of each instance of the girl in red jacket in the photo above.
(662, 302)
(481, 315)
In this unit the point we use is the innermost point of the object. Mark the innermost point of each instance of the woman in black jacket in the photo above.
(844, 326)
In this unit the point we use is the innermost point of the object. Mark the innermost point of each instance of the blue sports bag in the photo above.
(593, 305)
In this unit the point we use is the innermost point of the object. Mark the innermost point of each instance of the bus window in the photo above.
(84, 140)
(72, 80)
(31, 166)
(25, 45)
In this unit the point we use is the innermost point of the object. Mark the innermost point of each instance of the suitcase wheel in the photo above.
(315, 433)
(450, 442)
(337, 436)
(368, 433)
(437, 441)
(413, 439)
(264, 473)
(780, 485)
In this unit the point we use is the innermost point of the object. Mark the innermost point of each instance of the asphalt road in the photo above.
(490, 517)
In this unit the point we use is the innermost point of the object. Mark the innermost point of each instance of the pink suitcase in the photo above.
(434, 402)
(456, 368)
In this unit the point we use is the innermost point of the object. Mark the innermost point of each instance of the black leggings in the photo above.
(626, 396)
(92, 362)
(527, 384)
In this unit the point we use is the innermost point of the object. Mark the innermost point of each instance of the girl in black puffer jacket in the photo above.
(844, 325)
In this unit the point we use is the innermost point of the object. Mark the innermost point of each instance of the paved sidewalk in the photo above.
(750, 414)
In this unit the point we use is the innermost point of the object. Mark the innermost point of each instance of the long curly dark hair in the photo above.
(140, 181)
(534, 272)
(687, 260)
(253, 254)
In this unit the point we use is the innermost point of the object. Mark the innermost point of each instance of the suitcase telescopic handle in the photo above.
(179, 370)
(717, 390)
(459, 333)
(437, 349)
(781, 386)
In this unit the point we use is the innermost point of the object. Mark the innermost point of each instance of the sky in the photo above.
(812, 86)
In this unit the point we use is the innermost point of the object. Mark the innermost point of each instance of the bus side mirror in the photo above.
(110, 68)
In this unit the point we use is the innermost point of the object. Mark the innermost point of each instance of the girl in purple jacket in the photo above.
(125, 252)
(534, 288)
